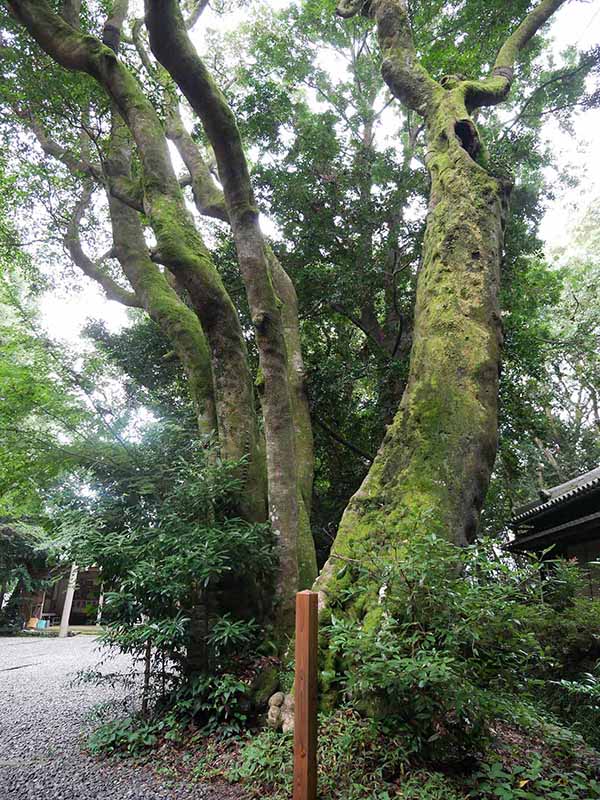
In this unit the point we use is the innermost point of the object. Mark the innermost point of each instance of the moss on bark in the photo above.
(434, 465)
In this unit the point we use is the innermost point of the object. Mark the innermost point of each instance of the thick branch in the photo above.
(494, 90)
(111, 33)
(172, 46)
(70, 11)
(208, 196)
(407, 78)
(178, 322)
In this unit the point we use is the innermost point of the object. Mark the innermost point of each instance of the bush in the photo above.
(455, 632)
(356, 758)
(184, 577)
(362, 758)
(11, 622)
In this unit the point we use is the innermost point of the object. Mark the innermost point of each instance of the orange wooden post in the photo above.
(305, 700)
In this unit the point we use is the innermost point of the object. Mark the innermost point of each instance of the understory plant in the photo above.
(454, 687)
(363, 758)
(184, 579)
(455, 634)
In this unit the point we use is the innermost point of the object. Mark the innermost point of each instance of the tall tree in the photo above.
(434, 464)
(209, 340)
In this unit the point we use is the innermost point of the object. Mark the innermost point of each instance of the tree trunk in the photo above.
(172, 46)
(197, 656)
(68, 602)
(434, 465)
(179, 323)
(180, 246)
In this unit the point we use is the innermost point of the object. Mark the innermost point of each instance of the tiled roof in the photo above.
(558, 495)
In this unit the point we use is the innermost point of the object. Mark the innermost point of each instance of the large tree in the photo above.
(434, 464)
(207, 335)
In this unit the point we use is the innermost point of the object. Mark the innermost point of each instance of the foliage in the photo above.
(461, 665)
(455, 631)
(360, 758)
(530, 782)
(354, 757)
(24, 557)
(160, 524)
(129, 735)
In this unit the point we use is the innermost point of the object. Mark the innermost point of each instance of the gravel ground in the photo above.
(43, 720)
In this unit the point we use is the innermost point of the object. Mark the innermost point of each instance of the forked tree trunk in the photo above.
(172, 46)
(434, 465)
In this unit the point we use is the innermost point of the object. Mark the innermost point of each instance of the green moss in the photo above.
(434, 464)
(264, 686)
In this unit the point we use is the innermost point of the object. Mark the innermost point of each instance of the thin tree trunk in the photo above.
(68, 603)
(159, 299)
(147, 675)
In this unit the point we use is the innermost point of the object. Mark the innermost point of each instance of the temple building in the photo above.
(565, 518)
(48, 604)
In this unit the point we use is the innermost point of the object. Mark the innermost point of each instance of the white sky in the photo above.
(577, 23)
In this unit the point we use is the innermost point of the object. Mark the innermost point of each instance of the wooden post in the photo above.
(68, 604)
(305, 701)
(100, 605)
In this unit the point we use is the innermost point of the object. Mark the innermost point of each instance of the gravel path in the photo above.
(43, 720)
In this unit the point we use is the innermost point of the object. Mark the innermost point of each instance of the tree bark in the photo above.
(434, 465)
(179, 244)
(210, 201)
(178, 322)
(68, 602)
(171, 45)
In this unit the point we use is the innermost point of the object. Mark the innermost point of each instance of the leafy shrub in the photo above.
(129, 735)
(355, 759)
(183, 576)
(11, 620)
(455, 632)
(496, 781)
(217, 702)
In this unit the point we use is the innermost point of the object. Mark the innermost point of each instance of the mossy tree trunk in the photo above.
(158, 298)
(228, 401)
(287, 511)
(434, 465)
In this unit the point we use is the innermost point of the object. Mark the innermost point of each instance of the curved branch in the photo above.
(125, 191)
(86, 265)
(406, 77)
(195, 14)
(493, 90)
(208, 196)
(336, 436)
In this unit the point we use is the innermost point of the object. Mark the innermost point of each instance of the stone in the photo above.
(281, 712)
(277, 699)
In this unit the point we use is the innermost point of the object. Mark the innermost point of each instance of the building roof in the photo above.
(557, 496)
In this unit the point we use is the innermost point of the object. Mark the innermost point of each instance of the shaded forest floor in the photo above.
(550, 762)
